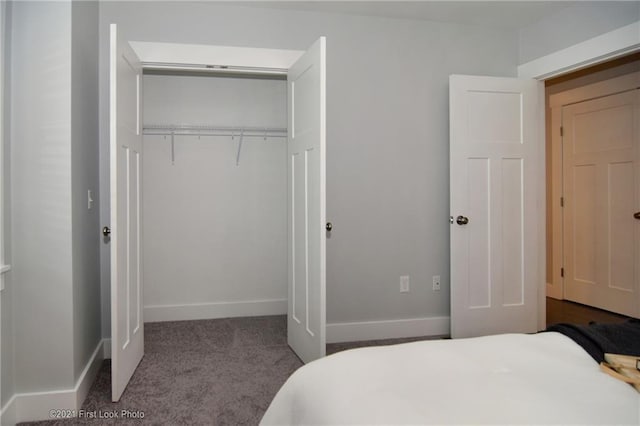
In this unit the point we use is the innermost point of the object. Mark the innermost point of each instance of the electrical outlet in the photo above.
(436, 283)
(404, 284)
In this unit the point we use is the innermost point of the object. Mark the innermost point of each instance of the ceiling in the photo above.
(501, 14)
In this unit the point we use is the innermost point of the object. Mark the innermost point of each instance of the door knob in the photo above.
(461, 220)
(106, 231)
(329, 226)
(637, 215)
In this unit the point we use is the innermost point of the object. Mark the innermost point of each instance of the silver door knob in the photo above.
(461, 220)
(636, 215)
(329, 226)
(106, 231)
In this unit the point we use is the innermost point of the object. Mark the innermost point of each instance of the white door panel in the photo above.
(127, 339)
(494, 155)
(600, 189)
(306, 204)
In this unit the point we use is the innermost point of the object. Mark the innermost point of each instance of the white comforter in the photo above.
(506, 379)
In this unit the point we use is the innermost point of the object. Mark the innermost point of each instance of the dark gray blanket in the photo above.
(598, 339)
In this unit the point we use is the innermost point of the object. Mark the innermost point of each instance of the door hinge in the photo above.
(562, 272)
(561, 131)
(561, 201)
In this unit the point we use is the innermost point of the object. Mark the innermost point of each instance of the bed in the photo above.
(544, 378)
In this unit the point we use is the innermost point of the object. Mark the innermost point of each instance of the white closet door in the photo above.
(127, 337)
(496, 187)
(306, 319)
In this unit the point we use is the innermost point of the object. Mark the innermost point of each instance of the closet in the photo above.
(214, 185)
(217, 190)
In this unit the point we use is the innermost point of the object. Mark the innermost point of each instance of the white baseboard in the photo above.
(34, 406)
(37, 406)
(391, 329)
(89, 374)
(8, 413)
(214, 310)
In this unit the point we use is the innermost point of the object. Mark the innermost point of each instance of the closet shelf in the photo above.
(195, 130)
(190, 130)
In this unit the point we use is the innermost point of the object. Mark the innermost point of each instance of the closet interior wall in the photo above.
(214, 224)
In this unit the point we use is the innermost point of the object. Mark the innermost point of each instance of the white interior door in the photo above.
(127, 340)
(306, 151)
(495, 156)
(601, 190)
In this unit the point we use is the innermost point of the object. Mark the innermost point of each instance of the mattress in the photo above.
(542, 378)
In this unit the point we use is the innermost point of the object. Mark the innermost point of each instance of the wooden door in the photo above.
(496, 188)
(306, 151)
(127, 328)
(601, 190)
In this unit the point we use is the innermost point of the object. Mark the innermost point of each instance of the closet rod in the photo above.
(157, 129)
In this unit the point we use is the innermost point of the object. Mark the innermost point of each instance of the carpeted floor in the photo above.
(210, 372)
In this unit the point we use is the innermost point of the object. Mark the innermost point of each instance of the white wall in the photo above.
(214, 232)
(573, 25)
(41, 195)
(52, 325)
(86, 235)
(387, 141)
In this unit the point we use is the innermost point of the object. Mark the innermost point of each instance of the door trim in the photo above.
(611, 45)
(182, 54)
(189, 57)
(624, 83)
(596, 90)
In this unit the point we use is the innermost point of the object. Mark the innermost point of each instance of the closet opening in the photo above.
(214, 194)
(218, 191)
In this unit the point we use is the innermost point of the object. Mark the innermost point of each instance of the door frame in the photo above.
(189, 57)
(603, 48)
(614, 44)
(624, 83)
(181, 56)
(225, 60)
(231, 60)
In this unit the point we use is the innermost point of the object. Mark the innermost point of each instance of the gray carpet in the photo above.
(210, 372)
